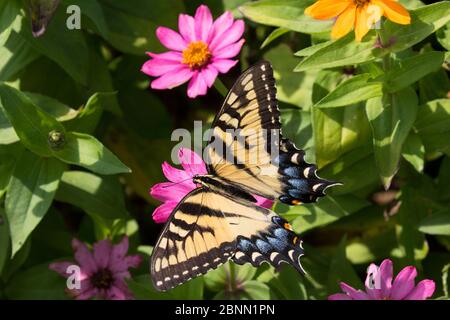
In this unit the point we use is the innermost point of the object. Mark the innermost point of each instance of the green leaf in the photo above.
(443, 179)
(275, 34)
(7, 133)
(66, 47)
(356, 89)
(341, 270)
(256, 290)
(53, 107)
(345, 51)
(30, 194)
(436, 224)
(443, 36)
(4, 240)
(86, 151)
(414, 151)
(292, 87)
(142, 289)
(8, 12)
(92, 10)
(31, 124)
(99, 196)
(132, 23)
(306, 52)
(355, 170)
(434, 86)
(327, 210)
(410, 70)
(287, 283)
(6, 168)
(89, 116)
(433, 125)
(425, 21)
(38, 282)
(284, 13)
(15, 55)
(338, 131)
(391, 119)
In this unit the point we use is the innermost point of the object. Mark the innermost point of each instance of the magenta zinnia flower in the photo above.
(181, 184)
(379, 285)
(102, 271)
(200, 51)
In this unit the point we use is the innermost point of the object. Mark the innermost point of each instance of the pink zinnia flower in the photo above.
(200, 51)
(181, 183)
(102, 272)
(379, 285)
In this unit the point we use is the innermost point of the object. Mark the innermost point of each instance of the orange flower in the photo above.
(360, 14)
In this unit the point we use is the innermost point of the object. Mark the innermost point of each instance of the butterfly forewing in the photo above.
(247, 149)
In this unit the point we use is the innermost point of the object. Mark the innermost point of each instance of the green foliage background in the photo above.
(376, 119)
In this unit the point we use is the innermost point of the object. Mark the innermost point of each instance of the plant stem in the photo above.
(218, 84)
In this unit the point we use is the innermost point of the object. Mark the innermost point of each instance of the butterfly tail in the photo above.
(301, 182)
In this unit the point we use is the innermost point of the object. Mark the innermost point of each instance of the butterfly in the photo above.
(219, 220)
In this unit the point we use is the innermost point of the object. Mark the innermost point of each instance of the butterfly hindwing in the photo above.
(208, 228)
(257, 158)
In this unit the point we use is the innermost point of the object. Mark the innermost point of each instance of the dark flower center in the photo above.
(102, 279)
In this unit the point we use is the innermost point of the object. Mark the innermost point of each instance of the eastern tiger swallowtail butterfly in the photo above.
(219, 221)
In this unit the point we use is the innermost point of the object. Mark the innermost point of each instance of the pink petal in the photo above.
(174, 174)
(209, 74)
(120, 269)
(229, 51)
(186, 26)
(233, 34)
(403, 283)
(168, 191)
(87, 294)
(133, 261)
(192, 162)
(115, 293)
(118, 252)
(102, 251)
(197, 86)
(223, 65)
(203, 23)
(171, 39)
(386, 271)
(158, 67)
(221, 25)
(61, 267)
(169, 55)
(121, 285)
(84, 257)
(263, 202)
(163, 212)
(422, 291)
(374, 294)
(173, 78)
(339, 296)
(353, 293)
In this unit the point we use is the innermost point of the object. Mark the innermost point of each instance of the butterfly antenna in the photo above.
(176, 183)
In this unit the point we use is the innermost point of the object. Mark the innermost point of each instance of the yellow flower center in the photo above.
(360, 3)
(196, 55)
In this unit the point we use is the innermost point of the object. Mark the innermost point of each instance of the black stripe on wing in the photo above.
(277, 245)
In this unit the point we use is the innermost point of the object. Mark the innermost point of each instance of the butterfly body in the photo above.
(219, 220)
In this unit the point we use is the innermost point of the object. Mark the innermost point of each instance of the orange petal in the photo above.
(327, 9)
(394, 11)
(344, 23)
(361, 25)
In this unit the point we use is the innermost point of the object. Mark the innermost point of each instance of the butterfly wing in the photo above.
(247, 149)
(208, 228)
